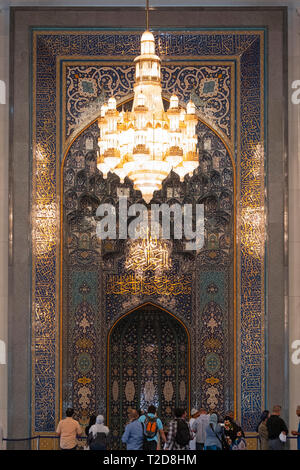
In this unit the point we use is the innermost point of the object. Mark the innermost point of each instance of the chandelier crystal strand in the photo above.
(146, 143)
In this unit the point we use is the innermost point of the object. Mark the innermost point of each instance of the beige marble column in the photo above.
(4, 73)
(294, 219)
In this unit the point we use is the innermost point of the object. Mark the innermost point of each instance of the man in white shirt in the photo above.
(194, 416)
(199, 428)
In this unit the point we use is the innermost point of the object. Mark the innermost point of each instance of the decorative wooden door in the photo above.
(148, 365)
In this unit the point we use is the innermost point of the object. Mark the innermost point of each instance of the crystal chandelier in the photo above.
(147, 143)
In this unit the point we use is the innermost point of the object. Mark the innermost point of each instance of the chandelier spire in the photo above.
(147, 15)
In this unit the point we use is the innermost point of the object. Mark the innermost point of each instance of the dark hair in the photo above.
(239, 429)
(263, 416)
(228, 418)
(69, 412)
(133, 414)
(178, 412)
(152, 409)
(92, 421)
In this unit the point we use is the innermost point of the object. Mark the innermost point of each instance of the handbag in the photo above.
(282, 437)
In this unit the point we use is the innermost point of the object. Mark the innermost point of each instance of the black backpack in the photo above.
(100, 439)
(183, 433)
(150, 427)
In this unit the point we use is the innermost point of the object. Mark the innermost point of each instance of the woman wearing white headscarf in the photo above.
(194, 415)
(214, 433)
(98, 435)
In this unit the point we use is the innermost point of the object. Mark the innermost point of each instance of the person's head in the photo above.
(133, 414)
(69, 412)
(227, 420)
(240, 432)
(276, 410)
(230, 414)
(152, 409)
(298, 410)
(180, 413)
(213, 419)
(194, 413)
(202, 411)
(264, 416)
(100, 419)
(91, 423)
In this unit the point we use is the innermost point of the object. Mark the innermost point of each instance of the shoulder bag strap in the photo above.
(216, 434)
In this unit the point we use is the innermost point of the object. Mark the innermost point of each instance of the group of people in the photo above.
(204, 431)
(273, 431)
(69, 430)
(210, 434)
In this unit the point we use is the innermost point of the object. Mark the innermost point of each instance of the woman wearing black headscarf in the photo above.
(240, 441)
(230, 429)
(91, 422)
(262, 430)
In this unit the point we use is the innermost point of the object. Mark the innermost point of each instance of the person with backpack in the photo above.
(152, 428)
(98, 435)
(179, 433)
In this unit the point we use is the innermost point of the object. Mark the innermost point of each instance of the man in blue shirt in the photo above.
(152, 442)
(133, 436)
(297, 433)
